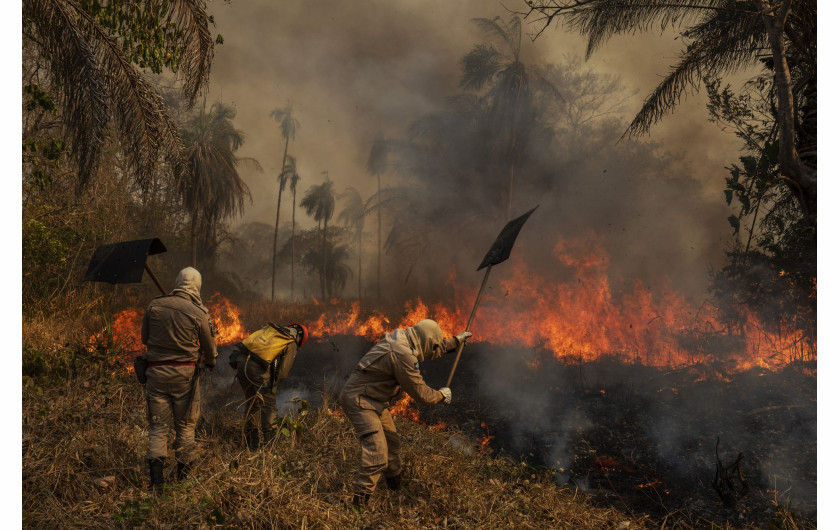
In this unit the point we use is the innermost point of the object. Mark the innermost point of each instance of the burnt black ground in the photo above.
(640, 438)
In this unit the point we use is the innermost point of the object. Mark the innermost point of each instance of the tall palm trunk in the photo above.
(324, 271)
(360, 265)
(379, 238)
(294, 200)
(277, 221)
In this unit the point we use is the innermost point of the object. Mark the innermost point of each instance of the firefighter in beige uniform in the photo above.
(178, 336)
(261, 361)
(393, 363)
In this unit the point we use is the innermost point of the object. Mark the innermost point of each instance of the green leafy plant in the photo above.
(292, 424)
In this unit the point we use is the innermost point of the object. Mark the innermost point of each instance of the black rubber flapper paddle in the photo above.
(499, 252)
(124, 262)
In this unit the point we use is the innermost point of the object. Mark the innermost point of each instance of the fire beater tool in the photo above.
(499, 252)
(124, 262)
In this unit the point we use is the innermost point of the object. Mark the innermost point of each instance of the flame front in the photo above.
(584, 320)
(581, 319)
(122, 337)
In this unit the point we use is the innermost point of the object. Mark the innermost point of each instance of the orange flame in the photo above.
(404, 409)
(583, 319)
(227, 319)
(124, 342)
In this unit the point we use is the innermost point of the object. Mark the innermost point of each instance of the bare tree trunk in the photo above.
(277, 221)
(801, 179)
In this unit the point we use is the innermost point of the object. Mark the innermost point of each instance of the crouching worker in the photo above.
(178, 335)
(393, 363)
(261, 361)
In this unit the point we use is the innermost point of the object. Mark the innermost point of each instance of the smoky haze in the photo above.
(351, 70)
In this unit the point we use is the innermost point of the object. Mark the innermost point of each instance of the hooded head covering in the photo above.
(189, 282)
(428, 339)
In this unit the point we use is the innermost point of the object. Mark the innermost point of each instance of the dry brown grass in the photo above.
(83, 422)
(91, 427)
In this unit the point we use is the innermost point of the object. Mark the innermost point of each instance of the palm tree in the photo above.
(510, 97)
(336, 273)
(211, 189)
(723, 36)
(294, 178)
(89, 66)
(288, 128)
(319, 202)
(353, 215)
(282, 178)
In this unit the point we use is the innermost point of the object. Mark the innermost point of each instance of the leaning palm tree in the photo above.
(722, 37)
(509, 92)
(212, 189)
(89, 49)
(288, 128)
(353, 215)
(291, 171)
(319, 202)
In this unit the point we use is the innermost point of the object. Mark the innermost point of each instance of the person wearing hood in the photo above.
(261, 361)
(392, 364)
(179, 337)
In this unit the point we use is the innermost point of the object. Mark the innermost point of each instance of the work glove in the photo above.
(447, 395)
(463, 336)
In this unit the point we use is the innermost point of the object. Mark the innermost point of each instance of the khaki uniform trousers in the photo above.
(380, 446)
(168, 399)
(260, 395)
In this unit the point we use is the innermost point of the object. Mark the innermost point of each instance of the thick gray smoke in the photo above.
(351, 71)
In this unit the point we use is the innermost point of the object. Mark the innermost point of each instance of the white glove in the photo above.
(447, 395)
(463, 336)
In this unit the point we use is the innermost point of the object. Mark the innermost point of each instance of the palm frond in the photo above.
(601, 19)
(497, 30)
(97, 83)
(722, 44)
(288, 124)
(196, 43)
(479, 66)
(73, 64)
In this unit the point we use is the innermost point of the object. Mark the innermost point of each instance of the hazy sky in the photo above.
(351, 69)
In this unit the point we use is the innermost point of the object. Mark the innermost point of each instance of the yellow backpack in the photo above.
(268, 342)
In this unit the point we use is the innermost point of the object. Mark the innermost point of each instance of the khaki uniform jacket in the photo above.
(390, 365)
(176, 329)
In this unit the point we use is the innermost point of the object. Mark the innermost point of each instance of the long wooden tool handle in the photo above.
(469, 323)
(154, 279)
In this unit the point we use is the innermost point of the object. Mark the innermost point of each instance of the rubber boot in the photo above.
(156, 473)
(393, 483)
(252, 438)
(183, 470)
(268, 436)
